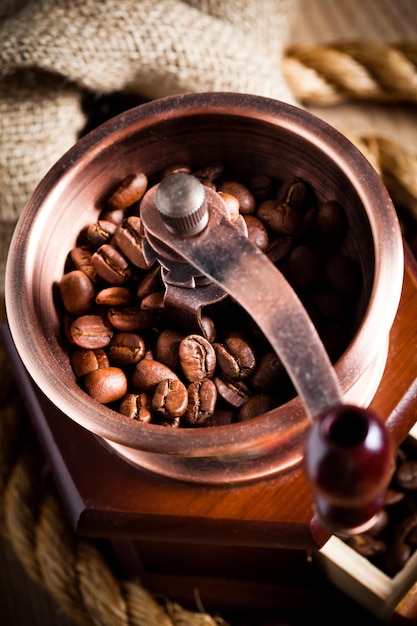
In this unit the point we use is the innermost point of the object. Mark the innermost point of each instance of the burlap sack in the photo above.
(51, 51)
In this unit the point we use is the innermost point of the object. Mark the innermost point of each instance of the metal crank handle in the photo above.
(348, 456)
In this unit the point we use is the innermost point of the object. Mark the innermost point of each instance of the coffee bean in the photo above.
(202, 398)
(126, 349)
(81, 259)
(210, 172)
(170, 398)
(244, 196)
(101, 232)
(167, 348)
(254, 406)
(232, 205)
(366, 545)
(342, 273)
(303, 267)
(235, 357)
(77, 292)
(406, 475)
(278, 217)
(129, 239)
(257, 232)
(85, 360)
(149, 373)
(111, 265)
(197, 358)
(137, 406)
(297, 194)
(131, 319)
(106, 385)
(131, 190)
(395, 557)
(91, 331)
(268, 374)
(116, 297)
(332, 223)
(234, 393)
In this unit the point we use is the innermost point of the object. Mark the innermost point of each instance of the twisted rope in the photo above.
(72, 570)
(331, 74)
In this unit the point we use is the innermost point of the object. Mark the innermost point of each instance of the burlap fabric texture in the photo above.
(52, 51)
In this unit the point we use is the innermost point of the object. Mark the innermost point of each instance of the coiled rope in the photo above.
(74, 571)
(331, 74)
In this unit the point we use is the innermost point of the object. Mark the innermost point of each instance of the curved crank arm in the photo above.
(341, 438)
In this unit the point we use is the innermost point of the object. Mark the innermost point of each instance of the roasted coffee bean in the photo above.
(91, 331)
(235, 357)
(81, 259)
(332, 223)
(342, 273)
(77, 292)
(297, 194)
(111, 265)
(406, 475)
(329, 303)
(366, 545)
(126, 349)
(153, 302)
(256, 405)
(113, 215)
(232, 205)
(131, 190)
(268, 374)
(197, 358)
(244, 196)
(101, 232)
(151, 282)
(279, 218)
(208, 183)
(202, 398)
(167, 348)
(131, 319)
(393, 496)
(137, 406)
(168, 422)
(220, 417)
(129, 239)
(257, 233)
(412, 538)
(85, 360)
(106, 385)
(170, 398)
(116, 297)
(395, 557)
(303, 267)
(262, 187)
(210, 172)
(405, 527)
(278, 249)
(234, 393)
(179, 168)
(208, 328)
(149, 373)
